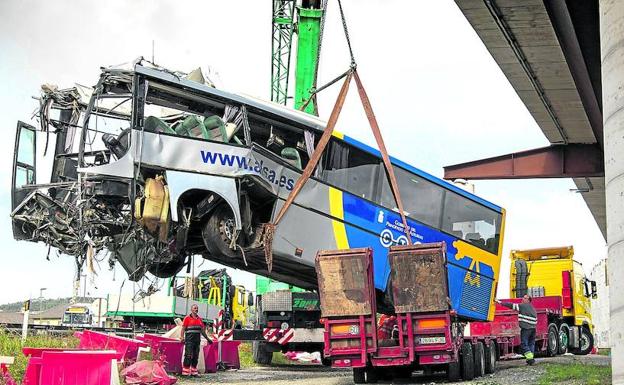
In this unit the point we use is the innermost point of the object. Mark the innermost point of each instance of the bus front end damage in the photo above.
(152, 167)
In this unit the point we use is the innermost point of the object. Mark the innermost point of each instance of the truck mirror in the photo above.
(594, 289)
(586, 291)
(250, 299)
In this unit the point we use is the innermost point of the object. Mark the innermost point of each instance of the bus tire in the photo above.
(552, 343)
(261, 355)
(490, 357)
(586, 341)
(564, 338)
(479, 359)
(467, 361)
(359, 376)
(453, 371)
(218, 231)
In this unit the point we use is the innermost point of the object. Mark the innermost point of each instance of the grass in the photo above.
(604, 352)
(576, 373)
(246, 357)
(11, 345)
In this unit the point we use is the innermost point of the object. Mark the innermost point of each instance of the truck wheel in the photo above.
(359, 376)
(467, 361)
(564, 338)
(260, 353)
(552, 345)
(490, 357)
(453, 371)
(586, 341)
(218, 232)
(479, 359)
(371, 375)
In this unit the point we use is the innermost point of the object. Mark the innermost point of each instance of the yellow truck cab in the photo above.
(554, 272)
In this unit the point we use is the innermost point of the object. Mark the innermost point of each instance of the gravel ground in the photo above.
(508, 373)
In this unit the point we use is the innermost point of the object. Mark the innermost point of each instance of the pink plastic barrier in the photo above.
(33, 368)
(68, 367)
(167, 350)
(229, 356)
(128, 348)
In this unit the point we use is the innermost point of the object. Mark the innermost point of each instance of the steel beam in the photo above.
(556, 161)
(577, 62)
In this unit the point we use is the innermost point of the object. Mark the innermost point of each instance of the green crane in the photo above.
(305, 19)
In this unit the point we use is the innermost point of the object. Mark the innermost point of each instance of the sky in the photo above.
(439, 97)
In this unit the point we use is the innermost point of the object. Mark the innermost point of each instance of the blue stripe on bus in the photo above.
(423, 174)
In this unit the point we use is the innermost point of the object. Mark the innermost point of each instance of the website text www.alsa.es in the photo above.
(257, 166)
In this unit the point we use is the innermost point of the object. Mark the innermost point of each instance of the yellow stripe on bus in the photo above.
(336, 210)
(338, 135)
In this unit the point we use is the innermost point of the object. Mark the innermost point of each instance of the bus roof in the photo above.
(301, 118)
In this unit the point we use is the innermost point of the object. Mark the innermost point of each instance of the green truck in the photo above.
(289, 319)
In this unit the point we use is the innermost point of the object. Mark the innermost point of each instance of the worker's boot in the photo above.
(186, 371)
(194, 371)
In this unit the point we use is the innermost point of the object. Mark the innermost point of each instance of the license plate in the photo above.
(432, 340)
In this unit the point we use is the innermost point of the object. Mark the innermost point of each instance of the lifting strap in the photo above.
(269, 228)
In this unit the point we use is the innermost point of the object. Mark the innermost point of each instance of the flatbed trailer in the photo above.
(428, 334)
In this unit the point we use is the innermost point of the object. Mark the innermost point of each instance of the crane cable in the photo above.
(270, 228)
(346, 32)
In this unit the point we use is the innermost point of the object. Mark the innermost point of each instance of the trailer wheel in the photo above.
(260, 353)
(371, 375)
(479, 359)
(586, 341)
(453, 371)
(490, 357)
(552, 345)
(564, 338)
(467, 361)
(359, 376)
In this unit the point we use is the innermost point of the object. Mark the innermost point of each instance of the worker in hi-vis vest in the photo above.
(192, 328)
(527, 317)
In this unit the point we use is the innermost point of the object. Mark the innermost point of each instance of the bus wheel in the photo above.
(552, 345)
(453, 371)
(218, 232)
(586, 341)
(490, 357)
(467, 361)
(564, 338)
(359, 376)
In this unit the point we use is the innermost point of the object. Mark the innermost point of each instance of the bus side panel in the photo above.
(472, 271)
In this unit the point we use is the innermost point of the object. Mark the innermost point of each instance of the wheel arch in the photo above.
(180, 183)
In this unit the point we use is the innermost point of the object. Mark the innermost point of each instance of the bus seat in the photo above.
(154, 124)
(457, 234)
(475, 238)
(490, 243)
(192, 126)
(216, 129)
(292, 156)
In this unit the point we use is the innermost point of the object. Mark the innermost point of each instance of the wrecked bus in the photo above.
(154, 166)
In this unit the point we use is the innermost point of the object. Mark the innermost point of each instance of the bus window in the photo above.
(422, 200)
(351, 169)
(477, 224)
